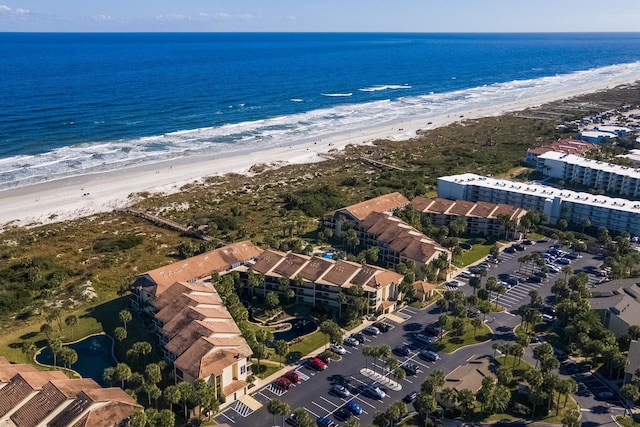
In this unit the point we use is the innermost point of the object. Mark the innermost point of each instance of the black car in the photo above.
(382, 326)
(534, 279)
(410, 368)
(405, 350)
(547, 309)
(432, 329)
(510, 250)
(410, 397)
(541, 274)
(519, 247)
(343, 414)
(359, 336)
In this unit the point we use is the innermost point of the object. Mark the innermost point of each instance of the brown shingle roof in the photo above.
(465, 208)
(291, 264)
(176, 290)
(202, 265)
(341, 272)
(315, 268)
(425, 287)
(267, 260)
(197, 329)
(386, 203)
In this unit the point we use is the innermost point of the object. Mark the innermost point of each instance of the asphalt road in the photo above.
(313, 394)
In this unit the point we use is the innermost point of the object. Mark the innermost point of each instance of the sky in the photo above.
(319, 16)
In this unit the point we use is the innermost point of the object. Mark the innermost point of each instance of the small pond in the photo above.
(465, 246)
(94, 355)
(299, 327)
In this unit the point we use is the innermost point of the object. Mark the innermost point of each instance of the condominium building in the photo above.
(198, 335)
(320, 281)
(30, 398)
(483, 218)
(612, 178)
(613, 213)
(377, 227)
(567, 146)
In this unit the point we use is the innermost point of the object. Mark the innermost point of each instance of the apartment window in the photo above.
(243, 369)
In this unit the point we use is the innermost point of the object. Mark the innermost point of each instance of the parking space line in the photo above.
(310, 411)
(321, 407)
(225, 415)
(328, 401)
(365, 402)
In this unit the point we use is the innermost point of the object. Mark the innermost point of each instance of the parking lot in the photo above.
(313, 394)
(313, 391)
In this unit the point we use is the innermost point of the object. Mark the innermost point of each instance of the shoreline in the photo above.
(83, 195)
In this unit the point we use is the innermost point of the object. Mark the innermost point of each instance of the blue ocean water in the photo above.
(76, 103)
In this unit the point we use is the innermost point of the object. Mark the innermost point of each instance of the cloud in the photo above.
(291, 17)
(206, 17)
(4, 8)
(20, 11)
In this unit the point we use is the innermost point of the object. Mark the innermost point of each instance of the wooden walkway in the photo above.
(384, 165)
(164, 222)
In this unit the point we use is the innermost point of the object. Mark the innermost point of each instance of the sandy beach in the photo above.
(84, 195)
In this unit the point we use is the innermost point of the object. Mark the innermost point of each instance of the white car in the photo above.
(337, 348)
(371, 330)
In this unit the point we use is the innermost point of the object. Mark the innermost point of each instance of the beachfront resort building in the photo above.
(567, 146)
(30, 398)
(376, 226)
(613, 213)
(197, 332)
(596, 136)
(483, 218)
(321, 281)
(612, 178)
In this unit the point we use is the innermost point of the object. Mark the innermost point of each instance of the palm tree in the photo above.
(466, 398)
(71, 321)
(125, 317)
(448, 396)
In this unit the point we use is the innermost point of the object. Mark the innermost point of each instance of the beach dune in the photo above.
(87, 194)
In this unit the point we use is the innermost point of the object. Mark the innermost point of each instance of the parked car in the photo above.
(353, 407)
(351, 341)
(410, 368)
(563, 261)
(410, 397)
(528, 242)
(293, 420)
(548, 318)
(340, 391)
(452, 284)
(374, 392)
(518, 247)
(432, 329)
(371, 330)
(325, 357)
(534, 279)
(292, 376)
(316, 364)
(359, 336)
(404, 351)
(338, 349)
(547, 309)
(383, 327)
(510, 250)
(423, 339)
(342, 414)
(429, 355)
(541, 274)
(324, 422)
(284, 383)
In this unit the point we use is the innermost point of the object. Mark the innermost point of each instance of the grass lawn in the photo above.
(627, 422)
(450, 343)
(305, 346)
(479, 249)
(265, 368)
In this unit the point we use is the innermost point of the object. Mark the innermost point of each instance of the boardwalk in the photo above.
(385, 165)
(164, 222)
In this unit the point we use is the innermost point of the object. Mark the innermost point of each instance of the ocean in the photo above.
(79, 103)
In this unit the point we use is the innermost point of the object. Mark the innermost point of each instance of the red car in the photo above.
(316, 364)
(292, 376)
(283, 383)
